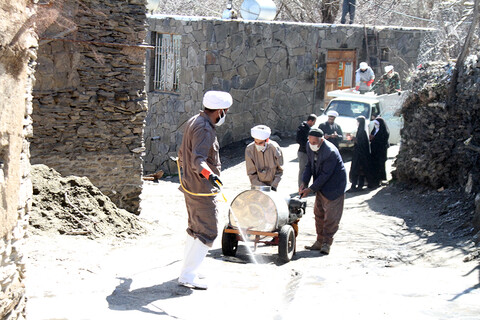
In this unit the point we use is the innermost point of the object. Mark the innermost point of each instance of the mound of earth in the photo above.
(73, 205)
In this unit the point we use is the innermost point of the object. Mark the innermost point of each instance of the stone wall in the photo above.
(268, 68)
(89, 97)
(17, 54)
(441, 143)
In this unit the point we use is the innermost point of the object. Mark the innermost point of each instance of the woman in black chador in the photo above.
(361, 157)
(379, 145)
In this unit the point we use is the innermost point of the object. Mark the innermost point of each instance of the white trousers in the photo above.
(195, 253)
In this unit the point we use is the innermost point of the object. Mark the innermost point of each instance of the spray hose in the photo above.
(194, 193)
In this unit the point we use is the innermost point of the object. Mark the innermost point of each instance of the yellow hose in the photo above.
(193, 193)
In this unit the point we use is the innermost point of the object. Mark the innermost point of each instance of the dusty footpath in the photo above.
(391, 259)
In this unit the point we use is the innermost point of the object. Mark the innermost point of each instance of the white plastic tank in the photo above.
(259, 210)
(258, 10)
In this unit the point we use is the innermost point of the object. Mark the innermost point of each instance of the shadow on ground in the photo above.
(124, 299)
(439, 217)
(243, 255)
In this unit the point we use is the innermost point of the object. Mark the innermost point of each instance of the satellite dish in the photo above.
(258, 10)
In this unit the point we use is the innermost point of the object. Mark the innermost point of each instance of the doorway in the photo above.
(340, 70)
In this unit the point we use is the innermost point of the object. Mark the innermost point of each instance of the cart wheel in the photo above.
(229, 243)
(286, 245)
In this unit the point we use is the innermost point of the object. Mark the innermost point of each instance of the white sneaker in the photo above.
(196, 283)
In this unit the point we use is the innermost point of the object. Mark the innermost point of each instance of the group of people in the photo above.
(322, 172)
(200, 182)
(321, 162)
(198, 155)
(369, 154)
(388, 83)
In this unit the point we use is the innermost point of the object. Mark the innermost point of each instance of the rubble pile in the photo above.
(73, 205)
(439, 142)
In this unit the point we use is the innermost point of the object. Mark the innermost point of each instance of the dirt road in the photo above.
(390, 260)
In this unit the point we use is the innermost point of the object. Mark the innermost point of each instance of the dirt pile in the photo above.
(74, 206)
(437, 140)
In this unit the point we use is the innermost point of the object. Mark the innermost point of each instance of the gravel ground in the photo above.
(399, 254)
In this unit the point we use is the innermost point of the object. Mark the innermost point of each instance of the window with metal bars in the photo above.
(166, 75)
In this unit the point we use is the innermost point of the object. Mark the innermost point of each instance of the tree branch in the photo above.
(461, 58)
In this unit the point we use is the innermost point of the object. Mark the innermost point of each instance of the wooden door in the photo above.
(340, 73)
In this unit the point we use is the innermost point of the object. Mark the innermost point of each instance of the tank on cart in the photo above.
(261, 213)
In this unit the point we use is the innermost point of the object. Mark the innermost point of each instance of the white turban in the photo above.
(388, 69)
(363, 65)
(217, 100)
(332, 113)
(260, 132)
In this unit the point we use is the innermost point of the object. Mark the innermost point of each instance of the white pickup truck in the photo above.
(349, 104)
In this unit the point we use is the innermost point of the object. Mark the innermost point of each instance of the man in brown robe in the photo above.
(263, 159)
(199, 157)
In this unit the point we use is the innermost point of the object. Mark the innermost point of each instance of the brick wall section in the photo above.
(89, 97)
(268, 68)
(17, 51)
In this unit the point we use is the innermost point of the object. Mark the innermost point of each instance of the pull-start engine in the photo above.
(296, 209)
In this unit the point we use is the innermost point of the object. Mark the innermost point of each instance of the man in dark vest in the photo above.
(302, 138)
(332, 131)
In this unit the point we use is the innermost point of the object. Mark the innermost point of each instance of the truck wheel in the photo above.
(286, 244)
(229, 243)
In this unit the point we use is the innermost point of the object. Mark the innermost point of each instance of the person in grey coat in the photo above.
(364, 77)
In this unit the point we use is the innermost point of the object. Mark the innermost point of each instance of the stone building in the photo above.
(17, 54)
(277, 72)
(89, 96)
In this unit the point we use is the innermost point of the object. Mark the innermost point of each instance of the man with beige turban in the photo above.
(199, 157)
(263, 159)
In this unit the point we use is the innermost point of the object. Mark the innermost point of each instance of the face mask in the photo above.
(260, 148)
(314, 147)
(221, 120)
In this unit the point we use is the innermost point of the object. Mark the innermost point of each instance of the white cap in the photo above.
(363, 65)
(332, 113)
(217, 100)
(388, 68)
(260, 132)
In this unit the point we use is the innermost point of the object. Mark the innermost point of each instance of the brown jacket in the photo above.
(264, 168)
(199, 150)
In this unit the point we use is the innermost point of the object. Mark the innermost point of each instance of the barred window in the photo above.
(167, 62)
